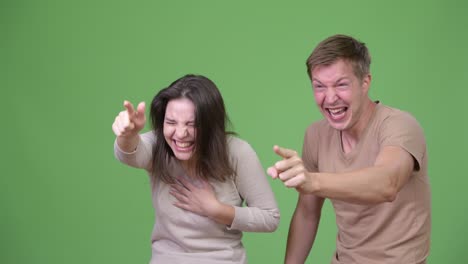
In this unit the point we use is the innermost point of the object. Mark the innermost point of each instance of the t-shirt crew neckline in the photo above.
(357, 149)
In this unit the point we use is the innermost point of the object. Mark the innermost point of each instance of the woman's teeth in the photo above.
(183, 144)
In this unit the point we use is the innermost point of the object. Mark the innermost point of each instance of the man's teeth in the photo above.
(336, 111)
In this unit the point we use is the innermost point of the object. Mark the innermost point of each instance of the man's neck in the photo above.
(351, 137)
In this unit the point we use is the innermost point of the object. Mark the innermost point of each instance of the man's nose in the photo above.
(330, 96)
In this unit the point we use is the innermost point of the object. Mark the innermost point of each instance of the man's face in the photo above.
(339, 94)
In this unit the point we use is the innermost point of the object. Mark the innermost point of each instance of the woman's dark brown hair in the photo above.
(210, 153)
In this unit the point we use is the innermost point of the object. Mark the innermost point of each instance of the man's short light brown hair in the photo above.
(339, 47)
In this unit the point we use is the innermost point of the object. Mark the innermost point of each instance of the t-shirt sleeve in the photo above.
(141, 157)
(310, 149)
(404, 131)
(261, 213)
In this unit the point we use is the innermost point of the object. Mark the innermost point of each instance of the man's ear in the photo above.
(366, 81)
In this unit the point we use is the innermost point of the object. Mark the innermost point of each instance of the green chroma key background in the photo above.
(67, 66)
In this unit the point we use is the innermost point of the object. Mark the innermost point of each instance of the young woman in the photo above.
(200, 175)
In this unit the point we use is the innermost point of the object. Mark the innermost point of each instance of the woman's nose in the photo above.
(182, 132)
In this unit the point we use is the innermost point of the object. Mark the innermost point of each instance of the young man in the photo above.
(369, 159)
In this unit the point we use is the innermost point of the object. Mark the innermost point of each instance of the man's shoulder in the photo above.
(320, 126)
(387, 113)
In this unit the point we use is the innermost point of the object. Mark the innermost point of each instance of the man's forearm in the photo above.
(298, 247)
(302, 232)
(376, 184)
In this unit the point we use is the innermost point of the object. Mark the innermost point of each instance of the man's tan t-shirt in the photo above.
(390, 232)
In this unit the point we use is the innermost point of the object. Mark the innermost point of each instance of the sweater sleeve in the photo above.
(141, 157)
(261, 213)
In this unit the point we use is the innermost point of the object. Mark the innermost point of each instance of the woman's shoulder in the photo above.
(148, 137)
(237, 146)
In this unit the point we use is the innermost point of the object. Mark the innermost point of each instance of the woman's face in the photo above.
(179, 128)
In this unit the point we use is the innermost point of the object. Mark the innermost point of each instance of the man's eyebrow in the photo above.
(342, 78)
(316, 80)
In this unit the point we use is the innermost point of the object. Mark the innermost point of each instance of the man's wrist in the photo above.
(313, 185)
